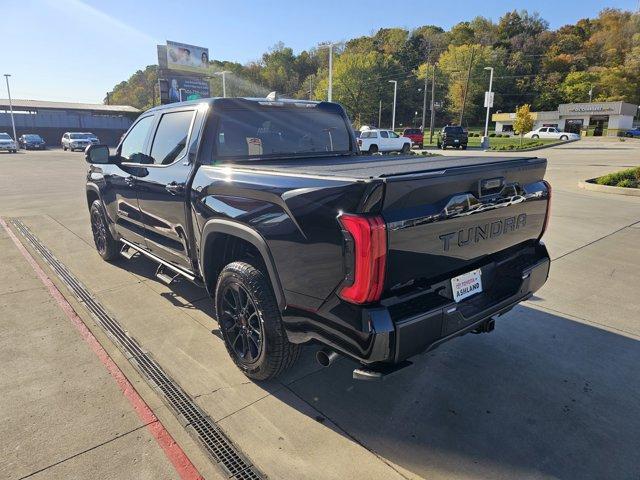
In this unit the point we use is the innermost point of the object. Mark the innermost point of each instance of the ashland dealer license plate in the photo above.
(466, 285)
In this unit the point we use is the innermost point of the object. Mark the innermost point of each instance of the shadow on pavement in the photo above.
(543, 395)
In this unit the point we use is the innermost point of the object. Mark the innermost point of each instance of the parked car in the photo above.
(30, 141)
(75, 141)
(453, 136)
(378, 140)
(415, 135)
(634, 132)
(93, 138)
(551, 133)
(299, 238)
(7, 143)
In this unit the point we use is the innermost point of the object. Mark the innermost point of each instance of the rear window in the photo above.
(412, 131)
(456, 130)
(369, 135)
(254, 129)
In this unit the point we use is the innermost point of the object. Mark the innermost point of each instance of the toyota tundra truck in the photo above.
(299, 238)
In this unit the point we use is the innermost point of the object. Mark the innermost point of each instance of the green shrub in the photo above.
(629, 177)
(492, 134)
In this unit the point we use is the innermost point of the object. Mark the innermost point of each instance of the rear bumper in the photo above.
(400, 328)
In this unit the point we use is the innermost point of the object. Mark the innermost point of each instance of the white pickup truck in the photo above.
(378, 140)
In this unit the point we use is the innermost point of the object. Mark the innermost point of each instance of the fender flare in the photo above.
(244, 232)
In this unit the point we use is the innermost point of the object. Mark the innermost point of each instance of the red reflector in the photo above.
(548, 214)
(370, 254)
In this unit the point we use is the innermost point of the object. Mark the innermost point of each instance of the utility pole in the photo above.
(13, 122)
(433, 109)
(466, 87)
(424, 100)
(393, 115)
(379, 114)
(224, 81)
(489, 103)
(108, 99)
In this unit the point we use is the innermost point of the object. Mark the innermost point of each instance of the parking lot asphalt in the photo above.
(553, 392)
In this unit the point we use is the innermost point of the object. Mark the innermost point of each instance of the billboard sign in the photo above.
(181, 56)
(182, 88)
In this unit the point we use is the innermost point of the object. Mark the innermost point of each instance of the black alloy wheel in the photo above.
(241, 324)
(106, 245)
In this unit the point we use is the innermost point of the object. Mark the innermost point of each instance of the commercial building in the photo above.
(51, 120)
(592, 119)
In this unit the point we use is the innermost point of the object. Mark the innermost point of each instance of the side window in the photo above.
(170, 141)
(133, 144)
(544, 130)
(384, 134)
(393, 135)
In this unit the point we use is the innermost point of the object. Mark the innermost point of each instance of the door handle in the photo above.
(174, 188)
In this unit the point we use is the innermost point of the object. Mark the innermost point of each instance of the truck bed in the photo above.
(371, 166)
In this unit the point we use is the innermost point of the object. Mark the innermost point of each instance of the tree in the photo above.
(524, 120)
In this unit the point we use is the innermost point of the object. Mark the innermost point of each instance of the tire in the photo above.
(373, 149)
(535, 136)
(564, 138)
(250, 322)
(464, 147)
(106, 245)
(405, 148)
(421, 146)
(64, 148)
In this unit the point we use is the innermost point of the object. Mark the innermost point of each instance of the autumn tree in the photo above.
(524, 120)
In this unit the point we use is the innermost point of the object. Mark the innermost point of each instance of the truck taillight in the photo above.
(359, 142)
(548, 213)
(369, 236)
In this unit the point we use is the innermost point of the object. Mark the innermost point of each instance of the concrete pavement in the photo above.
(553, 392)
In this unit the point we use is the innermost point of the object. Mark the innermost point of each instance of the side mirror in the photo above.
(97, 154)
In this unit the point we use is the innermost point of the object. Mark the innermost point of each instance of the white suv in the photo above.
(374, 141)
(75, 141)
(7, 143)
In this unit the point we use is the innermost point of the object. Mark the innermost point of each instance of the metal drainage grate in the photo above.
(219, 447)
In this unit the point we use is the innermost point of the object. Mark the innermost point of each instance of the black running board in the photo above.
(379, 372)
(164, 266)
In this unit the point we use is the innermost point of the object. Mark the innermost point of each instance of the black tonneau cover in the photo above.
(374, 166)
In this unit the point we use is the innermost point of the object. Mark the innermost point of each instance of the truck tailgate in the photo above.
(442, 223)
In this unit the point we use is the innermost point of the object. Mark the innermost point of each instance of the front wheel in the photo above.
(373, 149)
(535, 136)
(564, 138)
(464, 147)
(250, 323)
(106, 245)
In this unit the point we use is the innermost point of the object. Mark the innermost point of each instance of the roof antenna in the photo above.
(273, 96)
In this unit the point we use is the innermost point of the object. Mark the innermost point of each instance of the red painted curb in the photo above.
(172, 450)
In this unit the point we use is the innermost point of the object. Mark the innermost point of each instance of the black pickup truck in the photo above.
(298, 238)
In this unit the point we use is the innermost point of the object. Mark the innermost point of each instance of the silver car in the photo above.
(7, 143)
(75, 141)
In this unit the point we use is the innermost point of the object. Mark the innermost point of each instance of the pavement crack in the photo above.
(637, 222)
(117, 437)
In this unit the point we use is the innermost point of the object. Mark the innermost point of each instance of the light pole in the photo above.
(13, 122)
(224, 81)
(393, 115)
(488, 103)
(330, 90)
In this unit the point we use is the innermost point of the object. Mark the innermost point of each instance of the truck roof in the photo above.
(214, 100)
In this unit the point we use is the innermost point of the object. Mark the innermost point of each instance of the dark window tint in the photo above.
(393, 135)
(455, 130)
(133, 144)
(412, 131)
(170, 140)
(384, 134)
(256, 130)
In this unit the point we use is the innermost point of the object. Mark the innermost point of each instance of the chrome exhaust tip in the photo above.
(326, 357)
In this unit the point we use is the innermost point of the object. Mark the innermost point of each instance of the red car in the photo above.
(416, 136)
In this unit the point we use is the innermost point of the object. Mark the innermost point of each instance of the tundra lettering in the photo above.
(269, 205)
(476, 233)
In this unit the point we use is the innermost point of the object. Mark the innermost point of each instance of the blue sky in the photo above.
(73, 50)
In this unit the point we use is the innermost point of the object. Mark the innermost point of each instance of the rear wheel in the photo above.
(250, 322)
(535, 136)
(464, 147)
(64, 148)
(106, 245)
(373, 149)
(564, 138)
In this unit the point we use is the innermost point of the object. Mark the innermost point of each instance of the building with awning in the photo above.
(588, 119)
(51, 120)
